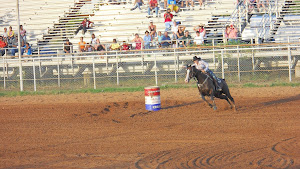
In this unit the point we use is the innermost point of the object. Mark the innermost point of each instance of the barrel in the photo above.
(152, 98)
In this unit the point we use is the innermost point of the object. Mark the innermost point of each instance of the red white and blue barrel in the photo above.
(152, 98)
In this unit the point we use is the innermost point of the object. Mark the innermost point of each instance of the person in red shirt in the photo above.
(153, 5)
(3, 44)
(125, 46)
(168, 19)
(85, 24)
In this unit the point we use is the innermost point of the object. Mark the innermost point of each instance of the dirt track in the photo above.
(113, 130)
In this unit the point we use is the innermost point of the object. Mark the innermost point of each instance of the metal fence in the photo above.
(237, 64)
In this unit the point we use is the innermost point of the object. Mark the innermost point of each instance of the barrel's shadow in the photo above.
(181, 105)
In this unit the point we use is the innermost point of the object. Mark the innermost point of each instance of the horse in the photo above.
(206, 87)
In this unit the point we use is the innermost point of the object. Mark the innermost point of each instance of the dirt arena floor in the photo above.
(113, 130)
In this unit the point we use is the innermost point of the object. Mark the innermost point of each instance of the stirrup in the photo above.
(219, 88)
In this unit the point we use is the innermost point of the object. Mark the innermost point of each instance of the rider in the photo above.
(203, 66)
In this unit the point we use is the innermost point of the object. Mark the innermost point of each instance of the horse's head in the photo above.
(190, 73)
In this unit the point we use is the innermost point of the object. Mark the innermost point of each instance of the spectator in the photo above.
(23, 33)
(68, 46)
(166, 40)
(168, 19)
(186, 39)
(5, 34)
(115, 45)
(198, 40)
(11, 35)
(147, 40)
(81, 45)
(89, 48)
(260, 4)
(85, 24)
(27, 49)
(3, 45)
(201, 30)
(94, 40)
(159, 38)
(172, 6)
(14, 46)
(174, 30)
(191, 2)
(99, 46)
(165, 4)
(153, 5)
(200, 3)
(138, 4)
(226, 33)
(138, 42)
(152, 29)
(125, 46)
(180, 32)
(232, 34)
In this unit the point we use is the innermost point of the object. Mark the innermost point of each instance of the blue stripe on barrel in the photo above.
(152, 98)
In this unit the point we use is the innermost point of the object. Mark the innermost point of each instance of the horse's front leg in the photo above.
(203, 97)
(213, 100)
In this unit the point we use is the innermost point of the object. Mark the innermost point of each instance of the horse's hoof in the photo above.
(215, 108)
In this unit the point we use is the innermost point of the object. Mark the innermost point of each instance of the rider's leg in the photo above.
(215, 79)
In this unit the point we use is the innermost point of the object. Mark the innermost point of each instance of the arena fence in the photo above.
(237, 64)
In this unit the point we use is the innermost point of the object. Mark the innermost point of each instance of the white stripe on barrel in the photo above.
(152, 98)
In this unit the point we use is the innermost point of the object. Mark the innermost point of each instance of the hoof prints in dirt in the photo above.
(279, 155)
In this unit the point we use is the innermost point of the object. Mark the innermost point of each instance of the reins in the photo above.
(200, 85)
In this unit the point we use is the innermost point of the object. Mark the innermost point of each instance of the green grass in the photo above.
(133, 89)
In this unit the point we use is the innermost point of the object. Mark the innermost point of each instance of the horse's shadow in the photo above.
(181, 105)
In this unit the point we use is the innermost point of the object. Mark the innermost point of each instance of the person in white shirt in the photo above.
(174, 29)
(198, 40)
(203, 66)
(93, 40)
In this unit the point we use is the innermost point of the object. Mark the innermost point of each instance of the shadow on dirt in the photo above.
(294, 98)
(180, 105)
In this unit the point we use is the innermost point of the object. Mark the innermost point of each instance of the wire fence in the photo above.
(236, 64)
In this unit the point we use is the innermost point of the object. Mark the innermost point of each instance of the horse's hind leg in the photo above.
(203, 97)
(231, 99)
(226, 98)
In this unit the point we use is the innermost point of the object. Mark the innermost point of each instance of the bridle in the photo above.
(200, 85)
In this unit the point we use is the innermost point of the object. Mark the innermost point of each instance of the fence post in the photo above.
(4, 73)
(34, 77)
(117, 68)
(175, 64)
(222, 57)
(94, 73)
(58, 73)
(253, 61)
(239, 73)
(155, 70)
(289, 59)
(214, 59)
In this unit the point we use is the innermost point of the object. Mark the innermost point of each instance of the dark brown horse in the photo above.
(206, 87)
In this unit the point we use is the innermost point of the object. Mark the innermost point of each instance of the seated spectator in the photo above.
(191, 2)
(180, 32)
(23, 33)
(174, 30)
(85, 24)
(198, 40)
(11, 35)
(81, 45)
(201, 30)
(168, 19)
(68, 46)
(89, 48)
(3, 45)
(200, 3)
(93, 40)
(115, 45)
(152, 29)
(138, 42)
(27, 49)
(138, 4)
(166, 40)
(147, 40)
(172, 5)
(99, 46)
(232, 34)
(186, 39)
(226, 33)
(153, 5)
(125, 46)
(14, 46)
(159, 38)
(5, 34)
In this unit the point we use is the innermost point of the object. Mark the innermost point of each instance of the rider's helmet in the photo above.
(196, 58)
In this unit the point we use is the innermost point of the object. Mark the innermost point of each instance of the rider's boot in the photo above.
(217, 85)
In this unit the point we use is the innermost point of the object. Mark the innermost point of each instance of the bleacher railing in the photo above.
(264, 63)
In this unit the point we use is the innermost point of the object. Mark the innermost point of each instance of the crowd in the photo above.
(9, 42)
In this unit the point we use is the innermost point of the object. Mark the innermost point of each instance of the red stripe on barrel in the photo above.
(152, 91)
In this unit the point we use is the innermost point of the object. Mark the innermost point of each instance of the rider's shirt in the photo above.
(202, 65)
